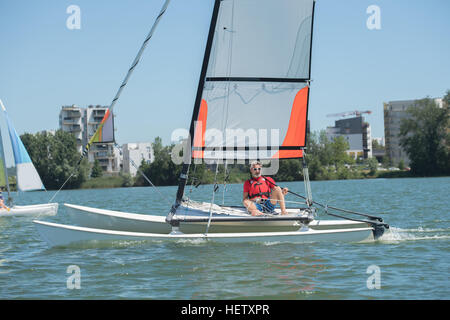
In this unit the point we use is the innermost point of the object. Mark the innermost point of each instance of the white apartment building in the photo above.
(136, 152)
(71, 120)
(83, 123)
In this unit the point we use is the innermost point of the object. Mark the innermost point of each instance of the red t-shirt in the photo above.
(265, 186)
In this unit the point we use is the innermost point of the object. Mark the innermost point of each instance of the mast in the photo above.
(127, 77)
(309, 200)
(5, 169)
(187, 162)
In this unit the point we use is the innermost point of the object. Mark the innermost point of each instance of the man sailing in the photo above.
(261, 194)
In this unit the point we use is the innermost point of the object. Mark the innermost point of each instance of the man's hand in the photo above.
(285, 191)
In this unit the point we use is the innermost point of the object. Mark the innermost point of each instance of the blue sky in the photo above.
(45, 65)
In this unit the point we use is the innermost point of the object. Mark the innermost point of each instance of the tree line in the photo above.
(425, 136)
(326, 160)
(55, 157)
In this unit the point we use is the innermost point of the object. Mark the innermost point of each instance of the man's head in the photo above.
(255, 169)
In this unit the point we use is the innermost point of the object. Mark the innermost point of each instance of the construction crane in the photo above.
(349, 113)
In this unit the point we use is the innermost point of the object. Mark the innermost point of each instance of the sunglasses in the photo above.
(256, 169)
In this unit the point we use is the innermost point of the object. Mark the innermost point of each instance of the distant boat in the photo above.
(27, 178)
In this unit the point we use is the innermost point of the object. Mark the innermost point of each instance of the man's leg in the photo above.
(251, 207)
(277, 196)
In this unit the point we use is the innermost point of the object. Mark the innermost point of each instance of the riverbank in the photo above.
(123, 181)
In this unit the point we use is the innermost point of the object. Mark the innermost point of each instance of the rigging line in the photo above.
(125, 81)
(72, 174)
(130, 71)
(226, 108)
(193, 178)
(224, 181)
(62, 185)
(359, 220)
(212, 201)
(334, 208)
(5, 168)
(143, 174)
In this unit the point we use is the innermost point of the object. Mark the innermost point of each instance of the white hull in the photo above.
(63, 235)
(133, 222)
(46, 209)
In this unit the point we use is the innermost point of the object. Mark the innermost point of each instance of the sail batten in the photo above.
(256, 79)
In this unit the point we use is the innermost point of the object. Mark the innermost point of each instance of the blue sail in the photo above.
(27, 177)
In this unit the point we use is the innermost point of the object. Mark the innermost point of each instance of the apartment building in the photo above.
(71, 120)
(83, 123)
(136, 152)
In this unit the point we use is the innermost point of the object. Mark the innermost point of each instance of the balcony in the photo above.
(75, 128)
(103, 155)
(68, 120)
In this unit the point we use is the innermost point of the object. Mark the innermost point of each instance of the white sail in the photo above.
(27, 177)
(255, 95)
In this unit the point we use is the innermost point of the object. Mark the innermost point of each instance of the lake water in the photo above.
(411, 261)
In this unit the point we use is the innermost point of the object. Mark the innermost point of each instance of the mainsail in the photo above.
(28, 178)
(255, 97)
(252, 100)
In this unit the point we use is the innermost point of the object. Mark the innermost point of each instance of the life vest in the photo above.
(259, 188)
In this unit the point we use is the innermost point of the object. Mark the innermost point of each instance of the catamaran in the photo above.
(27, 178)
(252, 103)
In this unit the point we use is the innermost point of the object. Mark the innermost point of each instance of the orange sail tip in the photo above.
(285, 154)
(200, 129)
(296, 133)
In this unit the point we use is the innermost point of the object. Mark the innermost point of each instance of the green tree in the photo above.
(97, 170)
(162, 171)
(372, 163)
(425, 138)
(327, 159)
(55, 157)
(339, 146)
(289, 170)
(376, 145)
(401, 165)
(446, 99)
(386, 161)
